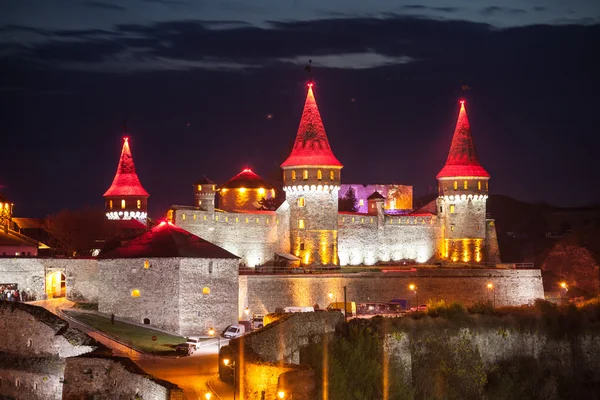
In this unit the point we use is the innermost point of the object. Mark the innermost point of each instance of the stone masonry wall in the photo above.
(198, 312)
(29, 273)
(31, 379)
(158, 285)
(362, 241)
(254, 236)
(512, 287)
(96, 376)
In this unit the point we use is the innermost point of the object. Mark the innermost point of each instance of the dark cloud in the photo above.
(493, 10)
(540, 9)
(104, 6)
(424, 8)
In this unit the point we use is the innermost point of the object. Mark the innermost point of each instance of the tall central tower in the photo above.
(311, 180)
(463, 192)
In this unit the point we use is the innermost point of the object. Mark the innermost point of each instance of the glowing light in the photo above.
(242, 190)
(261, 191)
(208, 395)
(211, 331)
(281, 394)
(135, 293)
(330, 295)
(563, 285)
(206, 290)
(146, 264)
(462, 102)
(247, 311)
(490, 286)
(412, 287)
(226, 361)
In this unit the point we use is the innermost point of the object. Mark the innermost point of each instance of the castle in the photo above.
(308, 227)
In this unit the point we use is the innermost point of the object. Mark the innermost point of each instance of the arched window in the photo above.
(465, 185)
(331, 175)
(123, 204)
(319, 175)
(455, 185)
(199, 188)
(305, 175)
(110, 204)
(139, 204)
(300, 224)
(146, 321)
(147, 264)
(293, 175)
(486, 186)
(478, 185)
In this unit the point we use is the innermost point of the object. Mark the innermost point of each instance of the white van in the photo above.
(234, 331)
(298, 309)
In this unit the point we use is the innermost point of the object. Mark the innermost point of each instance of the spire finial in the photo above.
(308, 69)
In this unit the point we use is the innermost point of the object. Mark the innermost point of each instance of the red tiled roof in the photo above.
(126, 182)
(246, 179)
(311, 146)
(129, 224)
(462, 159)
(168, 240)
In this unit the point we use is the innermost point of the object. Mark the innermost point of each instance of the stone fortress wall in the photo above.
(254, 237)
(366, 239)
(512, 287)
(183, 295)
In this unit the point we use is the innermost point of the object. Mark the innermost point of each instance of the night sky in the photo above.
(211, 87)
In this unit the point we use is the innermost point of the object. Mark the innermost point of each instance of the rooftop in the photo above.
(126, 182)
(167, 240)
(246, 179)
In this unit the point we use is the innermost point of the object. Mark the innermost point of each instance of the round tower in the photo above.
(126, 198)
(311, 180)
(204, 194)
(245, 191)
(463, 192)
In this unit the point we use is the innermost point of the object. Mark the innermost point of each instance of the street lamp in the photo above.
(211, 333)
(330, 296)
(247, 312)
(413, 287)
(491, 288)
(564, 289)
(232, 366)
(208, 395)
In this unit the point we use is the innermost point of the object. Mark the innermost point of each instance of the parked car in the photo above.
(185, 349)
(422, 308)
(234, 331)
(258, 321)
(339, 306)
(298, 309)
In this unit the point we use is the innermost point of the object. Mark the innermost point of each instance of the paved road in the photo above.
(189, 373)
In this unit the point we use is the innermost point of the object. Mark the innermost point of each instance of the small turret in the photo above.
(244, 192)
(204, 193)
(376, 203)
(126, 198)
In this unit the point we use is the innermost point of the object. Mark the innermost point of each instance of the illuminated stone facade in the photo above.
(309, 226)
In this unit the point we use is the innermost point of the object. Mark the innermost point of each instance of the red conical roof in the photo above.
(462, 160)
(311, 146)
(126, 182)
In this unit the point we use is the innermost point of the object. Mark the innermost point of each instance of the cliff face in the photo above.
(483, 361)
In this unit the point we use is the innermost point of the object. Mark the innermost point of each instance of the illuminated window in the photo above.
(293, 175)
(284, 176)
(237, 219)
(301, 202)
(486, 186)
(246, 220)
(331, 175)
(452, 227)
(478, 185)
(199, 188)
(300, 224)
(216, 218)
(205, 217)
(257, 220)
(226, 219)
(183, 217)
(199, 202)
(261, 191)
(455, 185)
(206, 290)
(110, 204)
(139, 204)
(123, 204)
(305, 175)
(135, 293)
(451, 208)
(147, 264)
(319, 175)
(362, 220)
(465, 185)
(195, 217)
(214, 187)
(361, 202)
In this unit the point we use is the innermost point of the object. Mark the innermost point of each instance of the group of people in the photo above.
(10, 292)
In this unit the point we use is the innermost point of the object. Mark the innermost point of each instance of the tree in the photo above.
(348, 203)
(81, 230)
(269, 204)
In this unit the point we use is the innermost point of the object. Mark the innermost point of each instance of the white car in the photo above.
(234, 331)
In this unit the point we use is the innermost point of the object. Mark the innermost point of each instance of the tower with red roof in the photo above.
(244, 191)
(463, 191)
(126, 198)
(311, 180)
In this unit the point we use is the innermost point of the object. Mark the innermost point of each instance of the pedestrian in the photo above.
(112, 319)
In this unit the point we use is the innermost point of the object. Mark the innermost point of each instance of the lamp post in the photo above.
(211, 333)
(490, 287)
(413, 287)
(232, 366)
(564, 288)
